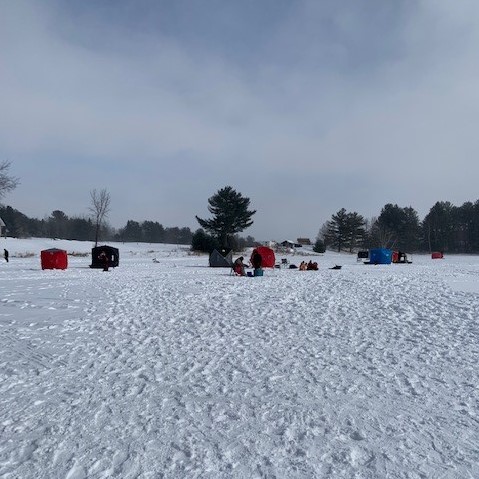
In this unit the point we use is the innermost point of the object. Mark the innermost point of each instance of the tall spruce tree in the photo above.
(438, 226)
(336, 230)
(344, 230)
(401, 225)
(230, 215)
(355, 230)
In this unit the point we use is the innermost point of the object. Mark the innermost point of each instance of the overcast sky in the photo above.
(305, 107)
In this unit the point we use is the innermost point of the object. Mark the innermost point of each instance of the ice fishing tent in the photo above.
(54, 258)
(112, 254)
(222, 258)
(437, 255)
(380, 256)
(267, 255)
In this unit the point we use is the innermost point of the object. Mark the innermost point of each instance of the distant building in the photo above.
(304, 241)
(3, 228)
(290, 244)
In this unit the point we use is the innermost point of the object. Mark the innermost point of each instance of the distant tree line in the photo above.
(153, 232)
(205, 242)
(448, 228)
(59, 225)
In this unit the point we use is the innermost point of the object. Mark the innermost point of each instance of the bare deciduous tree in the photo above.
(7, 182)
(100, 207)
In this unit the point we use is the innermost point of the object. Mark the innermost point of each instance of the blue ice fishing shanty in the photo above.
(380, 256)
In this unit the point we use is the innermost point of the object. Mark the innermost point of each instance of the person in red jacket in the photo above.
(238, 266)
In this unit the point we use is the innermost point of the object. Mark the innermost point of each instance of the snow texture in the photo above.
(166, 368)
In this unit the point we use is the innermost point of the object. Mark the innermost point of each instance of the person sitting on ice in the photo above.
(238, 266)
(303, 266)
(312, 266)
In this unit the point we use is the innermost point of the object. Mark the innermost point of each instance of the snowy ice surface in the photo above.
(172, 369)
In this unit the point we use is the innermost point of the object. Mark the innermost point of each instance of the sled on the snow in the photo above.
(399, 257)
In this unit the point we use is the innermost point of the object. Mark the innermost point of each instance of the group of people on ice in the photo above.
(256, 262)
(311, 266)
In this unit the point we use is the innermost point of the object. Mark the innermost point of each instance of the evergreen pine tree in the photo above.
(230, 215)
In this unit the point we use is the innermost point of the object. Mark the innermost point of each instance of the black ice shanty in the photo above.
(111, 253)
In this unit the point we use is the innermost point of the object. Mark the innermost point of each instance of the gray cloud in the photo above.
(305, 107)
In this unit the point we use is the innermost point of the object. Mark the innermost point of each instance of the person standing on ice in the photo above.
(103, 257)
(5, 254)
(257, 262)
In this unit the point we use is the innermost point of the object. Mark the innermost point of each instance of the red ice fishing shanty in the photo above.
(54, 258)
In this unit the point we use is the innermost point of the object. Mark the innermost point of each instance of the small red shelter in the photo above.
(437, 255)
(54, 258)
(267, 256)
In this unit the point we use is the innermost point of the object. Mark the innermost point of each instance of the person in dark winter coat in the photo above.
(103, 257)
(5, 255)
(257, 262)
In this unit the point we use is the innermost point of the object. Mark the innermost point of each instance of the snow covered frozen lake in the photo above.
(172, 369)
